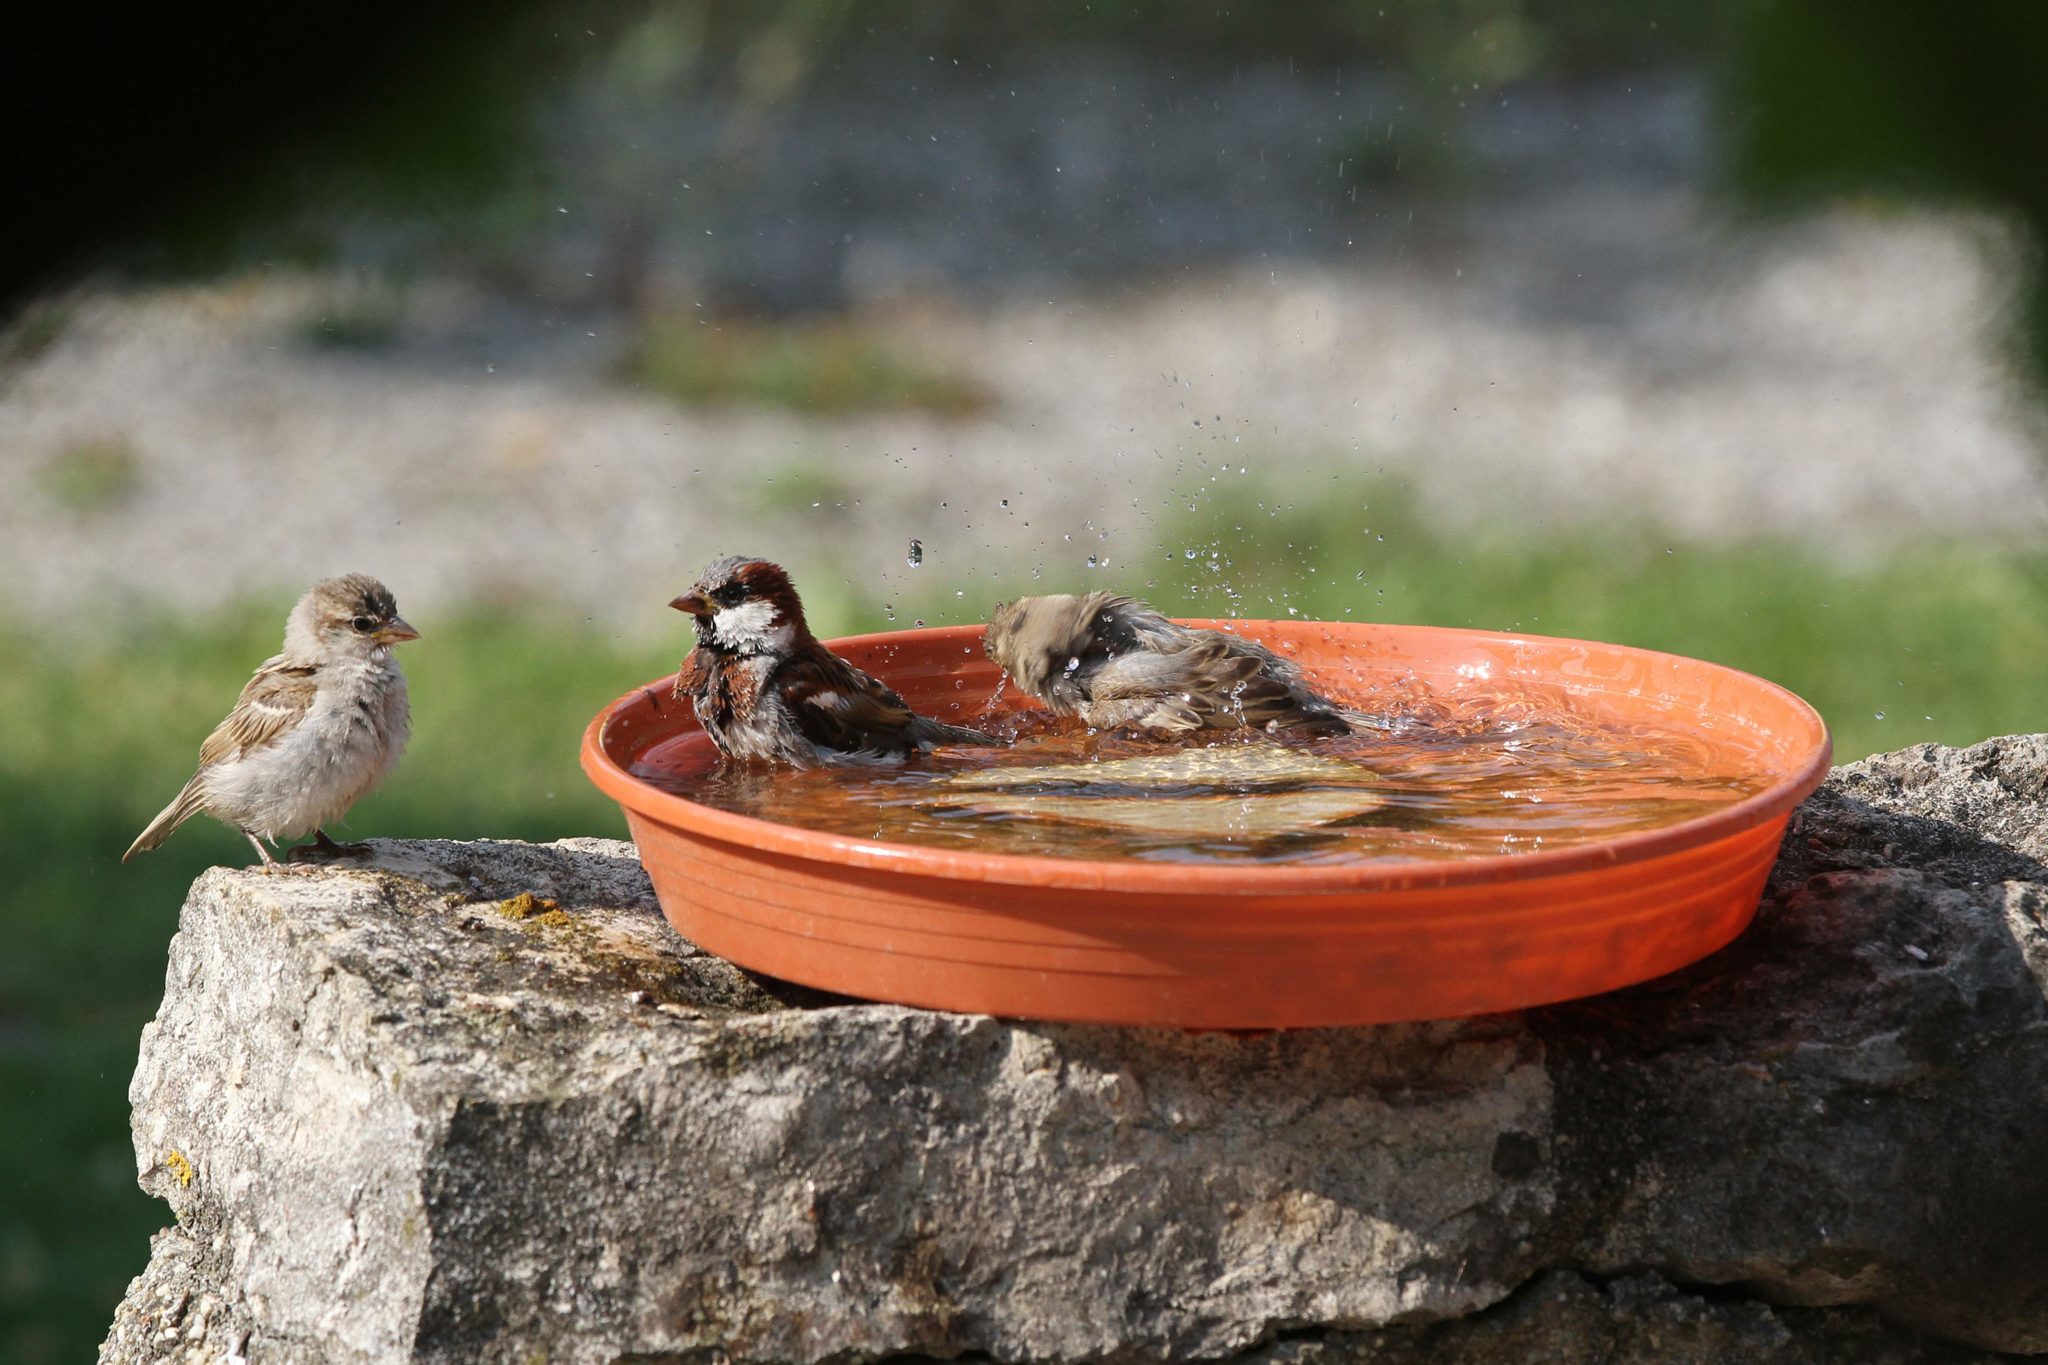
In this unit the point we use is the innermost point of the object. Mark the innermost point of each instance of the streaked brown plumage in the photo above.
(1116, 663)
(766, 691)
(313, 732)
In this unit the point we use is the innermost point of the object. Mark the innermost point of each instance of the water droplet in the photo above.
(1880, 715)
(915, 559)
(1094, 561)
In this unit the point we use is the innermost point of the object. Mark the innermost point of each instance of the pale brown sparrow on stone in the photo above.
(1115, 663)
(316, 728)
(765, 690)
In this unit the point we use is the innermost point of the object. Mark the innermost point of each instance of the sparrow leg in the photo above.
(270, 864)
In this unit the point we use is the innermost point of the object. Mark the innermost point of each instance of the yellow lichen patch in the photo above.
(180, 1169)
(526, 905)
(534, 913)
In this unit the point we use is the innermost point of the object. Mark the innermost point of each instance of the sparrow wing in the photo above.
(270, 704)
(1178, 689)
(1281, 695)
(691, 675)
(841, 708)
(1204, 679)
(1118, 624)
(275, 700)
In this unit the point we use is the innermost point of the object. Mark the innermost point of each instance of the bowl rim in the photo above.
(1207, 879)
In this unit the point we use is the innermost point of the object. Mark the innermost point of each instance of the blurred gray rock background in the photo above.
(1025, 308)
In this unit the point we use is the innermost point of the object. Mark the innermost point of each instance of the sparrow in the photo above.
(317, 727)
(1115, 662)
(765, 690)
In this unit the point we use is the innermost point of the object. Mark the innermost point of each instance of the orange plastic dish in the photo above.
(1243, 947)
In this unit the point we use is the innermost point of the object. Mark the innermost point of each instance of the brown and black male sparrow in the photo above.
(1115, 663)
(316, 728)
(765, 690)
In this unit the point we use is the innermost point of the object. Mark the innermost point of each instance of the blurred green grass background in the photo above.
(1940, 641)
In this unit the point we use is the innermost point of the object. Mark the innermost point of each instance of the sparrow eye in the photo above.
(364, 625)
(731, 595)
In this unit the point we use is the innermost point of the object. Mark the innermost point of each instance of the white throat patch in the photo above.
(750, 628)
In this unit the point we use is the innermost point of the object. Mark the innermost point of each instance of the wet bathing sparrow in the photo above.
(765, 690)
(1115, 662)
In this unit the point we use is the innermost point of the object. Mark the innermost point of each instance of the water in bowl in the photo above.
(1456, 775)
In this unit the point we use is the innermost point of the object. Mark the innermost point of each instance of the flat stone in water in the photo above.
(1236, 789)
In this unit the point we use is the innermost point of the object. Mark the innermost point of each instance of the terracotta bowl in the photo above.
(1207, 946)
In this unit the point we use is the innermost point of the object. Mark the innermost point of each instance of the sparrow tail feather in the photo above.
(1366, 722)
(182, 808)
(931, 731)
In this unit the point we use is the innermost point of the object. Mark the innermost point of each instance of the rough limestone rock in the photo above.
(477, 1102)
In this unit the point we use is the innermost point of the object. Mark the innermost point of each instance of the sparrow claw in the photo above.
(324, 849)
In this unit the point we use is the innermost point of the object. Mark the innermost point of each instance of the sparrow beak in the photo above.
(396, 632)
(694, 603)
